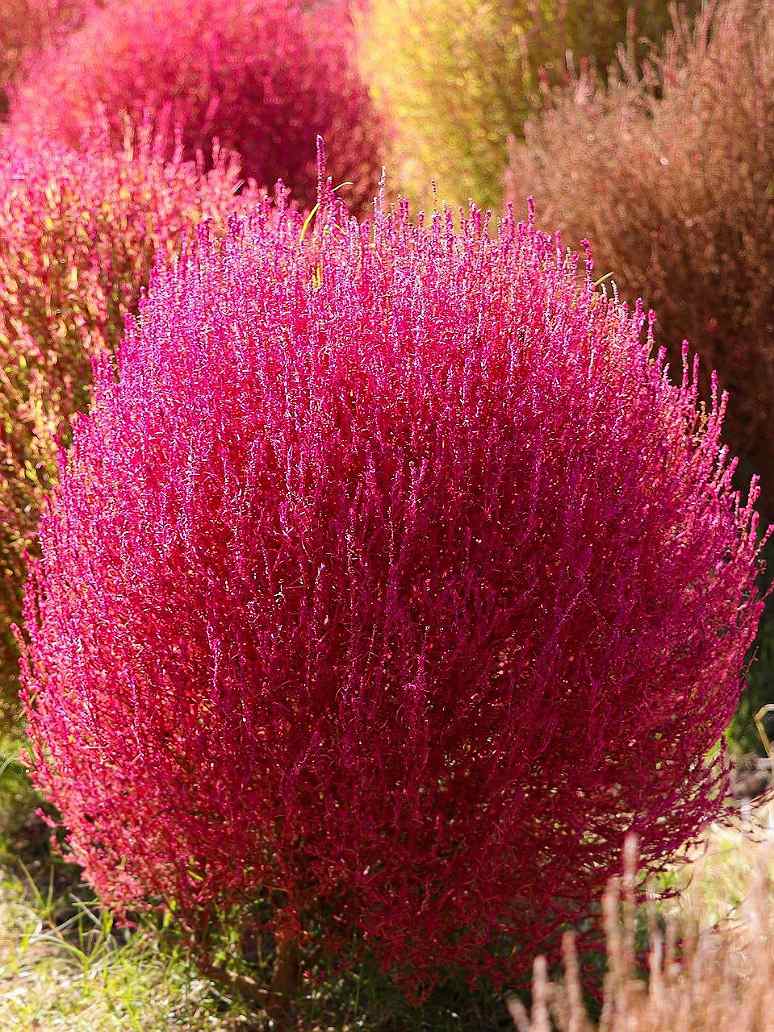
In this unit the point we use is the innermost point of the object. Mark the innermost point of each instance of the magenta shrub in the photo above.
(261, 78)
(78, 233)
(392, 579)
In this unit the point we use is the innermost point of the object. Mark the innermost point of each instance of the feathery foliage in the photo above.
(260, 77)
(671, 179)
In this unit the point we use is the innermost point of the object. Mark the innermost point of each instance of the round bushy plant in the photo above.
(459, 77)
(388, 587)
(77, 240)
(261, 78)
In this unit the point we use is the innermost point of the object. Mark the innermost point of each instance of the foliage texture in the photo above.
(392, 584)
(77, 239)
(672, 180)
(260, 78)
(459, 77)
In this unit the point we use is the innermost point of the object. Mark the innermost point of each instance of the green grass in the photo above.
(64, 964)
(81, 973)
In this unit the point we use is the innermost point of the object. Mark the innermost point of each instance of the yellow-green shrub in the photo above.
(458, 77)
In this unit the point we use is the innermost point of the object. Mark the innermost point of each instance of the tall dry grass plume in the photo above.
(716, 980)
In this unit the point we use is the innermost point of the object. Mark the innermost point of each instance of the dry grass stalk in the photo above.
(719, 979)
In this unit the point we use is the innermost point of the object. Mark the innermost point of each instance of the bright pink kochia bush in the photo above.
(261, 77)
(392, 576)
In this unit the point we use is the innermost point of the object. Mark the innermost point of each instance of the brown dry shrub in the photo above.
(671, 178)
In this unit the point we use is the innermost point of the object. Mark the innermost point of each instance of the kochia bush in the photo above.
(77, 240)
(391, 581)
(261, 78)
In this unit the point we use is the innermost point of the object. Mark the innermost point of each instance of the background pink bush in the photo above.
(393, 581)
(260, 77)
(77, 240)
(28, 26)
